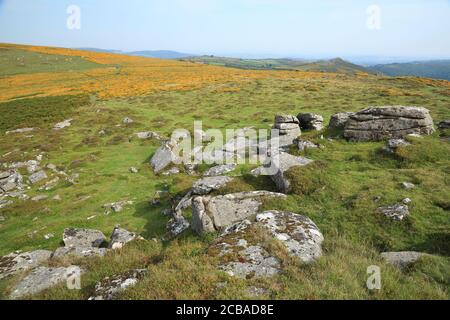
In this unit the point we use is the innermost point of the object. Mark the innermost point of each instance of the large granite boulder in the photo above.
(339, 120)
(289, 129)
(215, 213)
(242, 250)
(164, 156)
(391, 122)
(74, 237)
(41, 279)
(110, 287)
(18, 262)
(310, 121)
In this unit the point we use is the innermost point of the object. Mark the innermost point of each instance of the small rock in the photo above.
(171, 171)
(403, 259)
(39, 197)
(133, 170)
(303, 145)
(408, 185)
(63, 124)
(127, 120)
(110, 287)
(177, 225)
(117, 206)
(445, 124)
(5, 203)
(49, 236)
(37, 177)
(406, 201)
(120, 237)
(395, 212)
(23, 130)
(255, 292)
(164, 156)
(57, 197)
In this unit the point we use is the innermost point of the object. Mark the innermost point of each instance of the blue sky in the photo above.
(294, 28)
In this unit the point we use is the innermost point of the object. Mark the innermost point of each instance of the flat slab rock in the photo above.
(220, 170)
(110, 287)
(79, 252)
(14, 263)
(208, 184)
(215, 213)
(243, 255)
(74, 237)
(42, 278)
(164, 156)
(389, 122)
(402, 259)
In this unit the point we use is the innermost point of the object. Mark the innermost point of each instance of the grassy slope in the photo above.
(344, 209)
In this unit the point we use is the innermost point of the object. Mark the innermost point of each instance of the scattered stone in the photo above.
(402, 259)
(37, 177)
(19, 262)
(74, 237)
(52, 167)
(23, 130)
(177, 225)
(57, 197)
(32, 166)
(445, 124)
(80, 252)
(255, 292)
(40, 197)
(220, 170)
(190, 168)
(164, 156)
(63, 124)
(133, 170)
(120, 237)
(110, 287)
(299, 234)
(148, 135)
(406, 201)
(391, 122)
(207, 185)
(117, 206)
(408, 185)
(215, 213)
(48, 236)
(339, 120)
(395, 212)
(279, 164)
(184, 203)
(304, 144)
(127, 120)
(10, 180)
(5, 203)
(393, 144)
(41, 279)
(310, 121)
(171, 171)
(50, 184)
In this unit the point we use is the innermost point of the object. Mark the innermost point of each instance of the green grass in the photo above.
(16, 61)
(340, 200)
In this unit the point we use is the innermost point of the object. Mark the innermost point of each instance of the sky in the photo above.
(251, 28)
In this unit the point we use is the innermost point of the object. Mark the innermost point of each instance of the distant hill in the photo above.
(334, 65)
(160, 54)
(437, 69)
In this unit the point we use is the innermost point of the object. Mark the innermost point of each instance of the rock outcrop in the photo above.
(289, 130)
(391, 122)
(241, 249)
(310, 121)
(215, 213)
(339, 120)
(120, 237)
(279, 164)
(79, 252)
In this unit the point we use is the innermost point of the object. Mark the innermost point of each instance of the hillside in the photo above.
(93, 121)
(437, 69)
(334, 65)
